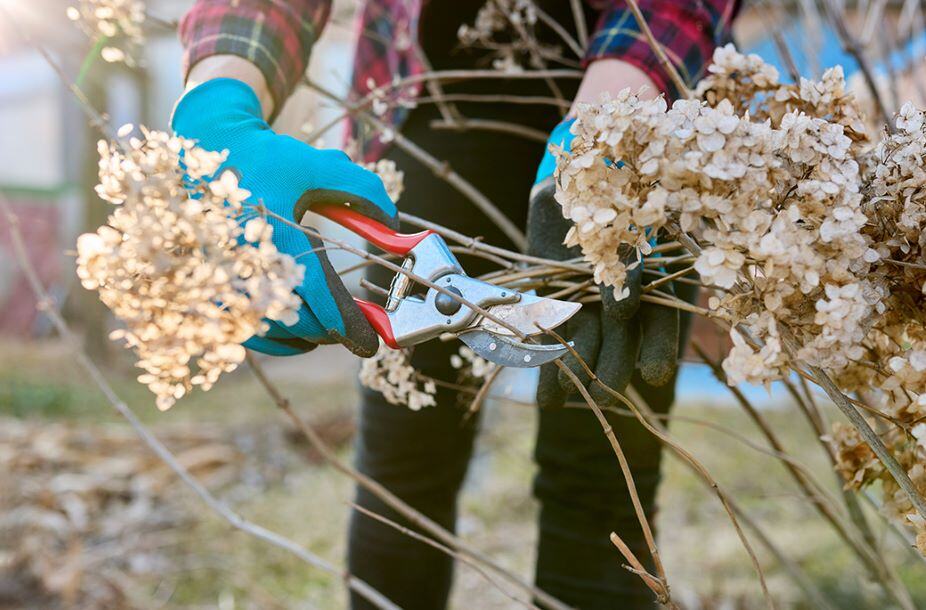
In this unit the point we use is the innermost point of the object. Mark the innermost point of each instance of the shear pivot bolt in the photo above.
(446, 304)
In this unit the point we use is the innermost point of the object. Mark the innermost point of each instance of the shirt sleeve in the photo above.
(275, 35)
(688, 30)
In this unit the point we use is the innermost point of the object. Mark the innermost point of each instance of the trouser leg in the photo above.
(584, 497)
(421, 457)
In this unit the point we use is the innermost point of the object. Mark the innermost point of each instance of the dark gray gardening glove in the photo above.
(613, 337)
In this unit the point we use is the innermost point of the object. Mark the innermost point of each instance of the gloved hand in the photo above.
(613, 337)
(288, 177)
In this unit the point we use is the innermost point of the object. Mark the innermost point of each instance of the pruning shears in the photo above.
(410, 317)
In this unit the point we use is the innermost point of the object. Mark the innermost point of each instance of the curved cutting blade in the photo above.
(529, 314)
(506, 351)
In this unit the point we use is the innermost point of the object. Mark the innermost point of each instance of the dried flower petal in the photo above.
(169, 264)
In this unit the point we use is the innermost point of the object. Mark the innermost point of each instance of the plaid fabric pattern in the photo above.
(688, 31)
(277, 36)
(387, 50)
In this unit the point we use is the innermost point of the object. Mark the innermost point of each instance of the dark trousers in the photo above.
(423, 456)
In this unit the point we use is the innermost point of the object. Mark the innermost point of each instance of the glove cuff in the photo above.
(219, 100)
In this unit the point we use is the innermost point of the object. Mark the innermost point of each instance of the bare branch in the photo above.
(578, 16)
(414, 516)
(660, 52)
(523, 131)
(873, 561)
(443, 549)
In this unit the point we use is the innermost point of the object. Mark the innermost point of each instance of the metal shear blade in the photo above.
(506, 351)
(530, 315)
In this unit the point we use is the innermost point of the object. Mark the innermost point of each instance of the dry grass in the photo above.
(210, 566)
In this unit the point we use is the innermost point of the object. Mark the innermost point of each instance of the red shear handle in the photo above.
(379, 320)
(371, 230)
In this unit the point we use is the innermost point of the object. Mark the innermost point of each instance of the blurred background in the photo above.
(89, 519)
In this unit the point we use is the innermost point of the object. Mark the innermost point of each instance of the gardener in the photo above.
(245, 57)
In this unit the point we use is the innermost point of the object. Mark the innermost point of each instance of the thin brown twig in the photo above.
(95, 118)
(445, 172)
(442, 548)
(667, 440)
(651, 286)
(477, 243)
(797, 574)
(555, 25)
(440, 169)
(811, 412)
(801, 475)
(654, 584)
(794, 570)
(625, 467)
(499, 98)
(446, 76)
(537, 56)
(822, 379)
(824, 504)
(483, 392)
(523, 131)
(569, 290)
(414, 516)
(688, 457)
(504, 264)
(852, 46)
(375, 289)
(578, 16)
(680, 280)
(678, 304)
(448, 111)
(780, 44)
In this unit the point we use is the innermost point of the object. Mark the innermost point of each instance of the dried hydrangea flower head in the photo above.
(393, 178)
(182, 263)
(506, 28)
(118, 22)
(803, 225)
(753, 86)
(895, 356)
(391, 373)
(497, 17)
(771, 193)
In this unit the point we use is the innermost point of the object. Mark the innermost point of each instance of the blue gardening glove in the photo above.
(288, 177)
(613, 337)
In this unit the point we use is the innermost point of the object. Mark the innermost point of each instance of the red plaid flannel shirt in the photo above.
(277, 36)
